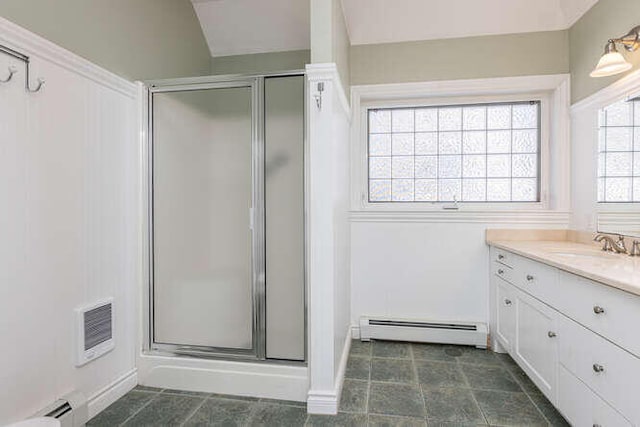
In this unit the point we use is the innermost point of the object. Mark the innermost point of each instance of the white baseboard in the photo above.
(327, 402)
(324, 403)
(342, 368)
(114, 391)
(355, 332)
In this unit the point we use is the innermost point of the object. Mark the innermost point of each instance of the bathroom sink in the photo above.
(585, 255)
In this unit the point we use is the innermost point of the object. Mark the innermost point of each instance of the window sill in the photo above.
(546, 217)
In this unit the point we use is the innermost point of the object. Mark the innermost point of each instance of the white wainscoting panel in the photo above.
(69, 219)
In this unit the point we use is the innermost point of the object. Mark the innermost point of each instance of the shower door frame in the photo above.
(258, 262)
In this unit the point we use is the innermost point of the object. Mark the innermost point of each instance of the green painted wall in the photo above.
(260, 62)
(462, 58)
(137, 39)
(587, 38)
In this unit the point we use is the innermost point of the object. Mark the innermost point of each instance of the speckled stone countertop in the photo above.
(587, 260)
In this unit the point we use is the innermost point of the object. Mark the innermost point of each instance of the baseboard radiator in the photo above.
(427, 331)
(70, 411)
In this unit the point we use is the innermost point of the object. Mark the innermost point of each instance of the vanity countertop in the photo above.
(616, 270)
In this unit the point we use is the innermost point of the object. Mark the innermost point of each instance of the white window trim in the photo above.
(552, 91)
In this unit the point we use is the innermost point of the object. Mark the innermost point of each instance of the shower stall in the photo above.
(226, 207)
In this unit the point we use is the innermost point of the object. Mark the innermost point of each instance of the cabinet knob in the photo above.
(529, 278)
(597, 425)
(500, 256)
(597, 368)
(551, 334)
(598, 310)
(507, 301)
(500, 271)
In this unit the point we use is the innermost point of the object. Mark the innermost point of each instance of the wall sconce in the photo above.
(612, 62)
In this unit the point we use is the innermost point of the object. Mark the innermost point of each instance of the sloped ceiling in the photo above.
(235, 27)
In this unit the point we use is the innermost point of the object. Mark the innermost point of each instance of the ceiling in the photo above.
(235, 27)
(385, 21)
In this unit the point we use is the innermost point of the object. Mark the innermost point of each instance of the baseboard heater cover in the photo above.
(427, 331)
(71, 410)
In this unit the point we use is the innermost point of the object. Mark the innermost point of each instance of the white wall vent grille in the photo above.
(95, 331)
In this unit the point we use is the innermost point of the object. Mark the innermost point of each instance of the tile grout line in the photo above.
(537, 408)
(253, 411)
(366, 406)
(473, 396)
(526, 392)
(417, 380)
(193, 412)
(139, 409)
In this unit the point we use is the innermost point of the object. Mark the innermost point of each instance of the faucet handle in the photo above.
(635, 248)
(621, 244)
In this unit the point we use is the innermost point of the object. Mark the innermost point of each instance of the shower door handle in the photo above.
(252, 216)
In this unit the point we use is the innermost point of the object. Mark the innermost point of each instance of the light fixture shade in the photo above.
(611, 63)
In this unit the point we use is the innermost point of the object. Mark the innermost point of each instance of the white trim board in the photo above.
(35, 46)
(626, 87)
(328, 402)
(114, 391)
(463, 87)
(329, 71)
(555, 219)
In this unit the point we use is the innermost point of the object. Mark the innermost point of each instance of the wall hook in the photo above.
(12, 71)
(318, 96)
(38, 87)
(24, 58)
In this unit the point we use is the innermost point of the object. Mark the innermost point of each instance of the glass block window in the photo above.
(468, 153)
(619, 153)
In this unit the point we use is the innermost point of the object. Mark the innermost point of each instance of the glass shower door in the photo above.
(206, 263)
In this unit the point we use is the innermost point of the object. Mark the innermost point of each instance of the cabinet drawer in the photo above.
(501, 256)
(610, 371)
(502, 271)
(582, 407)
(536, 279)
(612, 313)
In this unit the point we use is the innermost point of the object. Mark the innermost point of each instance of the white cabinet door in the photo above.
(506, 313)
(582, 407)
(535, 346)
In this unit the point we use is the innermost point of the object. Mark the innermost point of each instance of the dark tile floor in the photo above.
(386, 384)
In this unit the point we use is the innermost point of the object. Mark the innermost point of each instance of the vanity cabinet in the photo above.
(576, 339)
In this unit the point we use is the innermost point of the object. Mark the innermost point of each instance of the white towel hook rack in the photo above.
(12, 70)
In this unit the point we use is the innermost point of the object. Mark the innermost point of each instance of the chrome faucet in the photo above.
(610, 245)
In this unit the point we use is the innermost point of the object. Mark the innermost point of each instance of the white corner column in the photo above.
(328, 110)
